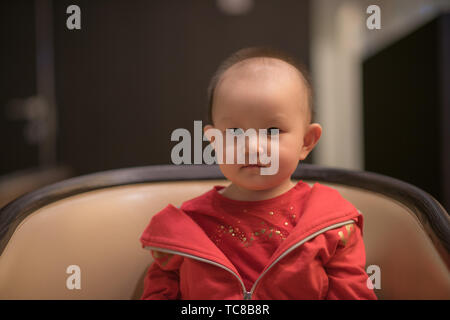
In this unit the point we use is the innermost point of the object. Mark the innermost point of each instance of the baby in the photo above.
(262, 236)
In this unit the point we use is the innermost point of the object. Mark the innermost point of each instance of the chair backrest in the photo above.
(94, 222)
(15, 184)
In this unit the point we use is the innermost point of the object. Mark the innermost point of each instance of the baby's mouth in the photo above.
(254, 166)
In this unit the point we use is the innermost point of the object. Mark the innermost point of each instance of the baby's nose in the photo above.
(253, 146)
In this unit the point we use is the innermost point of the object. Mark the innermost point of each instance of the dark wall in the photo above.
(17, 81)
(407, 110)
(137, 70)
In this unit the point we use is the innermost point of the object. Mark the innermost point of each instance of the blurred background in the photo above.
(109, 95)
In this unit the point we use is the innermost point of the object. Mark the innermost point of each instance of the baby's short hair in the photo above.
(258, 52)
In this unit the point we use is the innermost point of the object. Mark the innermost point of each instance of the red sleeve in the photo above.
(347, 278)
(162, 279)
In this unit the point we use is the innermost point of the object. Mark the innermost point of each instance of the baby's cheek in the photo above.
(230, 171)
(286, 149)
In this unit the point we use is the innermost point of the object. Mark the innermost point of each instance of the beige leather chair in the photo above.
(95, 221)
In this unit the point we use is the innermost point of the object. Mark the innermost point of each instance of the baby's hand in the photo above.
(162, 257)
(345, 233)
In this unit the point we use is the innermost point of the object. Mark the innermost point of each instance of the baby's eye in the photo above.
(236, 131)
(273, 131)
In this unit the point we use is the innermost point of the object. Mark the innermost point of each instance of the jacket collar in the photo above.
(324, 207)
(173, 229)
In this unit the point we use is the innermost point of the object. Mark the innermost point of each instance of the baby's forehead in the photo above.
(260, 79)
(276, 87)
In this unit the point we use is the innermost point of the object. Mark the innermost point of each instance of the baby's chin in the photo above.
(257, 182)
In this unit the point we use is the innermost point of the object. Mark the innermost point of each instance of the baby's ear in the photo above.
(312, 136)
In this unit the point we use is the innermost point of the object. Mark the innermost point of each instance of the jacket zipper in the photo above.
(248, 295)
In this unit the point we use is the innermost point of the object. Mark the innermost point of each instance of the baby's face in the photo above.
(262, 95)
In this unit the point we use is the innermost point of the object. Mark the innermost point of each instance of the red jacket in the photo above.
(322, 258)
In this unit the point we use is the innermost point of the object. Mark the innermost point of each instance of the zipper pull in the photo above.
(247, 295)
